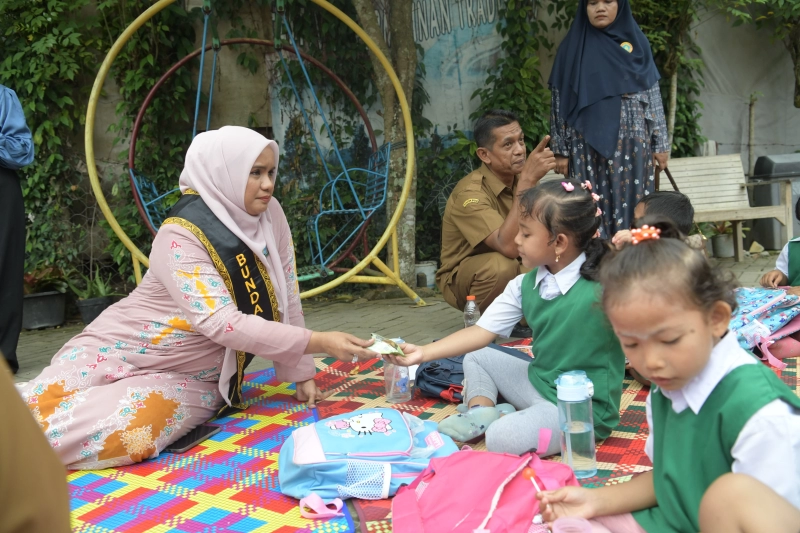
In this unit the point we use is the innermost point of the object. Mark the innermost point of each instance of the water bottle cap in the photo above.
(470, 298)
(574, 386)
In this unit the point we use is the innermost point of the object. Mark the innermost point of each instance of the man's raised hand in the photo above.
(540, 161)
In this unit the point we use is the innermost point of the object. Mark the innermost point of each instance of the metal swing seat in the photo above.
(354, 202)
(358, 199)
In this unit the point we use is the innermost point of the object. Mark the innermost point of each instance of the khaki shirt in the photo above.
(478, 205)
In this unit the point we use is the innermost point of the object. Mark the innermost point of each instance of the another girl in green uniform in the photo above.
(558, 223)
(714, 409)
(787, 269)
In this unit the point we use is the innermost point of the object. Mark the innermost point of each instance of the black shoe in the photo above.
(13, 365)
(521, 332)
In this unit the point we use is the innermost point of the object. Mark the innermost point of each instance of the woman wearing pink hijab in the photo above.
(221, 290)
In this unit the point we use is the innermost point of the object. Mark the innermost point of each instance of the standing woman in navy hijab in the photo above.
(607, 120)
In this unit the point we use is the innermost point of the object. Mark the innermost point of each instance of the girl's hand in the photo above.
(773, 279)
(566, 501)
(621, 238)
(562, 165)
(414, 356)
(307, 391)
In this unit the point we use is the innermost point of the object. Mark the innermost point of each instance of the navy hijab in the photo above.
(594, 68)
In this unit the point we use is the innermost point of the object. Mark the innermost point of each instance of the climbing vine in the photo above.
(166, 128)
(47, 55)
(515, 81)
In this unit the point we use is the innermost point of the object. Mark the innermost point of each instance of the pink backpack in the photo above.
(783, 344)
(471, 491)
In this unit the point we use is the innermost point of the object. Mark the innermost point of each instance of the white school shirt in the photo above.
(768, 447)
(506, 310)
(782, 263)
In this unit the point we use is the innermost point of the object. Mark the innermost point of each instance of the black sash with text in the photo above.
(245, 276)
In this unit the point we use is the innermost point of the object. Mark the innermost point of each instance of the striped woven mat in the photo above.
(229, 483)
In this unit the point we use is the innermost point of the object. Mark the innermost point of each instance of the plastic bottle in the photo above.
(574, 392)
(397, 381)
(471, 312)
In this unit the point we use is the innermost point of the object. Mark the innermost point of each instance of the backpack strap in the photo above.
(312, 506)
(450, 393)
(767, 356)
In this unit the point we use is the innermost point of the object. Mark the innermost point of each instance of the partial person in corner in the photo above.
(479, 256)
(16, 151)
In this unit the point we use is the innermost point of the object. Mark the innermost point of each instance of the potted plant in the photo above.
(95, 297)
(44, 303)
(722, 238)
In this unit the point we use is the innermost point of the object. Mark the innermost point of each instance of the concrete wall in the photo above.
(739, 62)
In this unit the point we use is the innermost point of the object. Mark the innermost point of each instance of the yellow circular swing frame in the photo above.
(391, 276)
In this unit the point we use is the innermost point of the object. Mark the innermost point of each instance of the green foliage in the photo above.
(48, 50)
(42, 278)
(94, 286)
(515, 81)
(780, 16)
(666, 26)
(442, 163)
(166, 129)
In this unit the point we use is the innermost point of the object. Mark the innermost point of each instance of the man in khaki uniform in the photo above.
(480, 223)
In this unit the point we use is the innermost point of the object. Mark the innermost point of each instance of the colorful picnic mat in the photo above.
(228, 483)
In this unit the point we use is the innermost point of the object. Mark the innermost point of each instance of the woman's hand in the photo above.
(566, 501)
(562, 165)
(414, 356)
(342, 346)
(774, 279)
(660, 161)
(308, 392)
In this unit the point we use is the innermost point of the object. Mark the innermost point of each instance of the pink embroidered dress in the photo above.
(149, 369)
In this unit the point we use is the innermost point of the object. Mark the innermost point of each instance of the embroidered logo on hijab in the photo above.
(628, 47)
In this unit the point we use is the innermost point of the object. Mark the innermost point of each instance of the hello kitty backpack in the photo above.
(365, 454)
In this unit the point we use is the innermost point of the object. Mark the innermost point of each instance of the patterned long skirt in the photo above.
(99, 410)
(622, 180)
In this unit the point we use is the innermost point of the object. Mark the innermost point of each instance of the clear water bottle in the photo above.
(574, 391)
(471, 312)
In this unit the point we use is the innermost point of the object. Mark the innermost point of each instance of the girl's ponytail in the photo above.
(595, 251)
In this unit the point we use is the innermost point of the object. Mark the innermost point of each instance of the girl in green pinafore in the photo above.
(787, 269)
(717, 416)
(559, 297)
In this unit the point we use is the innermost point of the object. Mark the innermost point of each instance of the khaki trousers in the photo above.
(484, 276)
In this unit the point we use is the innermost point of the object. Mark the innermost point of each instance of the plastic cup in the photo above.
(398, 385)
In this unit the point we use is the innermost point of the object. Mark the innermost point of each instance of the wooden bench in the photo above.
(717, 188)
